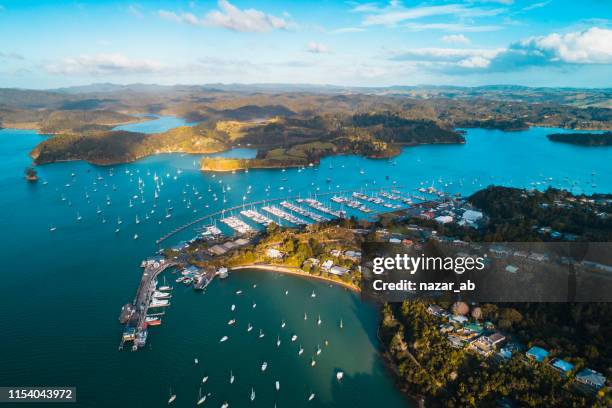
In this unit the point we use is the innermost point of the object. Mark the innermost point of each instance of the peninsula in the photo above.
(583, 139)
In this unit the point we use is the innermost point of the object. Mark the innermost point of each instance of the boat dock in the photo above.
(212, 216)
(284, 215)
(133, 314)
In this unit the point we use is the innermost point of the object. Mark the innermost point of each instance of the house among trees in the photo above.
(537, 353)
(338, 270)
(274, 253)
(591, 378)
(562, 366)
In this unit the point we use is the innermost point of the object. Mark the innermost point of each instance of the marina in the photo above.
(192, 325)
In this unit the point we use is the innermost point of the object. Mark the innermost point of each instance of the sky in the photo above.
(53, 43)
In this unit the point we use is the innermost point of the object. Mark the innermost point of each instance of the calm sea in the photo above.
(63, 290)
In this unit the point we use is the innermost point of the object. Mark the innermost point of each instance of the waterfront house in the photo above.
(537, 353)
(338, 270)
(327, 264)
(591, 378)
(562, 366)
(274, 253)
(222, 272)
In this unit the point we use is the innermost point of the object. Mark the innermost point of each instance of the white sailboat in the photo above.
(339, 375)
(264, 365)
(172, 397)
(301, 351)
(201, 398)
(204, 379)
(277, 384)
(311, 397)
(278, 342)
(224, 338)
(341, 324)
(231, 377)
(319, 320)
(261, 333)
(252, 394)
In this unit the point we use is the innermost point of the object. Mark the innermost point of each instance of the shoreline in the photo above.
(287, 270)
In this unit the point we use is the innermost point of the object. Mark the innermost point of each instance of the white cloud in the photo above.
(444, 54)
(474, 62)
(456, 39)
(451, 27)
(104, 64)
(186, 18)
(135, 10)
(348, 30)
(536, 5)
(248, 20)
(231, 17)
(317, 48)
(11, 55)
(592, 46)
(395, 13)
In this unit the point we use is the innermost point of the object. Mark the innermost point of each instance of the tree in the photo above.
(460, 308)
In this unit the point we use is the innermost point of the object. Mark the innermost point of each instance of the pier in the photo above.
(221, 213)
(133, 314)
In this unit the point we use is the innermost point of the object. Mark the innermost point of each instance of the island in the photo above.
(582, 139)
(281, 142)
(31, 175)
(288, 128)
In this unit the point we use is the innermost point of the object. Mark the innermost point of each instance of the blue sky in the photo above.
(46, 44)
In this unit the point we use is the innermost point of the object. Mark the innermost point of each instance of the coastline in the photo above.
(295, 272)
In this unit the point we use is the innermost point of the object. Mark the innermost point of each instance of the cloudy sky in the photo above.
(46, 44)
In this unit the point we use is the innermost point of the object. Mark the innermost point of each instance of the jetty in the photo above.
(133, 314)
(221, 213)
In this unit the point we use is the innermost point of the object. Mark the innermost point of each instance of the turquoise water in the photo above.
(154, 124)
(63, 290)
